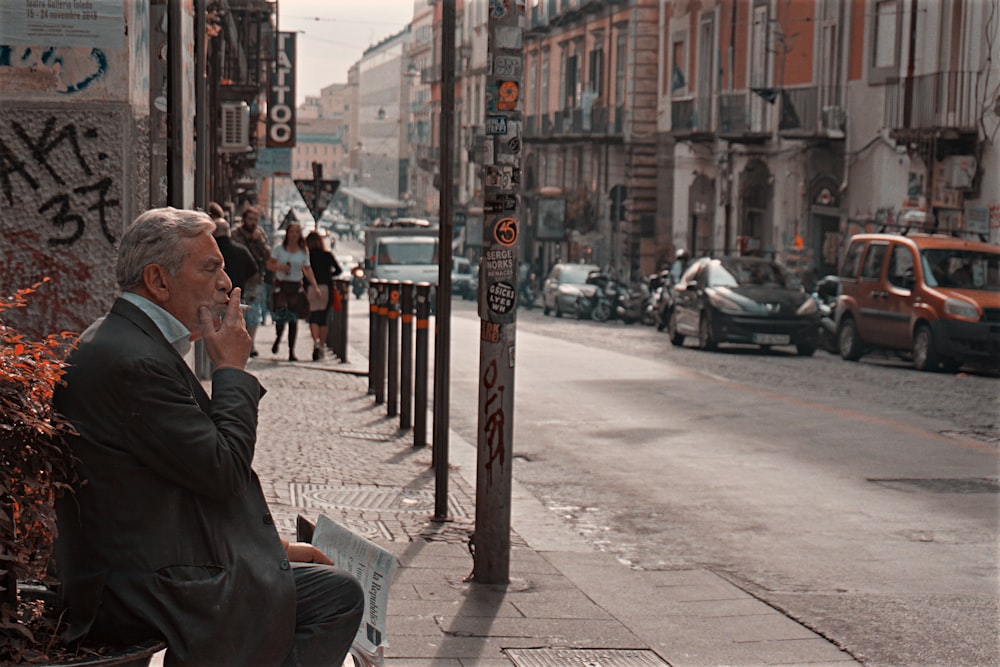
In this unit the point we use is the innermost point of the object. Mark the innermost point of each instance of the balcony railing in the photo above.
(598, 121)
(734, 114)
(692, 116)
(943, 100)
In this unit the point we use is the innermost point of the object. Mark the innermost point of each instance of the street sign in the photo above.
(317, 200)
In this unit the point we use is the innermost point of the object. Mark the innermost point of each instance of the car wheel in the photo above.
(925, 357)
(705, 337)
(805, 349)
(848, 341)
(676, 337)
(601, 311)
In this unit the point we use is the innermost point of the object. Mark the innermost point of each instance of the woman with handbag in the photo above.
(321, 297)
(290, 263)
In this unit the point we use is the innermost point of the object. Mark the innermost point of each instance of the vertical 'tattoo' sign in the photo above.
(281, 95)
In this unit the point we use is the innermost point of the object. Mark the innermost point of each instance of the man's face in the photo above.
(200, 282)
(250, 221)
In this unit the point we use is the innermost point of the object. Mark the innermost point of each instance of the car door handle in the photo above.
(879, 293)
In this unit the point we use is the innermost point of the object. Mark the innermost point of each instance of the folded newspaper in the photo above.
(374, 568)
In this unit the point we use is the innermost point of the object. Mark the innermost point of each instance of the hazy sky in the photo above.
(332, 35)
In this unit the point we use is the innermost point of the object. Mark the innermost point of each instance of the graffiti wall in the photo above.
(67, 184)
(74, 152)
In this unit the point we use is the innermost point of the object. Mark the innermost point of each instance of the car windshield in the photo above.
(735, 272)
(576, 274)
(962, 269)
(407, 252)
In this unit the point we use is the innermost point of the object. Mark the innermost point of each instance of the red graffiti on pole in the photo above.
(495, 419)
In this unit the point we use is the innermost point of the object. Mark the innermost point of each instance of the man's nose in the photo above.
(225, 284)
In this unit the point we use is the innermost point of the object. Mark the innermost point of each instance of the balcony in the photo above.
(940, 104)
(692, 118)
(576, 123)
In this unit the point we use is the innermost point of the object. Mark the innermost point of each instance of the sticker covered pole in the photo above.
(498, 272)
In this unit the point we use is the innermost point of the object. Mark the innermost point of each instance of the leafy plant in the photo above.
(36, 468)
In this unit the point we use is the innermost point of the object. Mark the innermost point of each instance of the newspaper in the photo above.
(374, 568)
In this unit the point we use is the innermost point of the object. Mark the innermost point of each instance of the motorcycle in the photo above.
(526, 292)
(358, 283)
(825, 295)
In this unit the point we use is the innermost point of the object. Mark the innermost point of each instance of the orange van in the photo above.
(933, 296)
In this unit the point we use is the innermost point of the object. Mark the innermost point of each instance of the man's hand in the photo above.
(303, 552)
(227, 342)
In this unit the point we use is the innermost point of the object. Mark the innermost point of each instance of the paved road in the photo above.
(859, 498)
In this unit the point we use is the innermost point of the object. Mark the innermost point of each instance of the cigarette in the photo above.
(244, 307)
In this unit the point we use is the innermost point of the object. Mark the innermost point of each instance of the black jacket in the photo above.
(170, 535)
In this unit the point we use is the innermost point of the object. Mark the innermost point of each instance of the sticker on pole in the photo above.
(500, 297)
(505, 232)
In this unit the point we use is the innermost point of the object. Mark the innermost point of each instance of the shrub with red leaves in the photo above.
(36, 468)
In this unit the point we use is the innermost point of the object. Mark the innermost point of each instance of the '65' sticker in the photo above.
(505, 231)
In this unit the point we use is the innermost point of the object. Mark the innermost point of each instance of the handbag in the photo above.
(318, 297)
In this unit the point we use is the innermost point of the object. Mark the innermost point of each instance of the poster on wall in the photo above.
(88, 23)
(551, 220)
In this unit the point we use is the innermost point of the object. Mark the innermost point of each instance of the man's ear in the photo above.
(156, 282)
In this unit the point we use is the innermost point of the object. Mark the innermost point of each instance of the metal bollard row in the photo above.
(397, 373)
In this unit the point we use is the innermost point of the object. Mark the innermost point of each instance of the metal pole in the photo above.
(380, 339)
(420, 372)
(406, 357)
(392, 323)
(498, 297)
(442, 339)
(372, 329)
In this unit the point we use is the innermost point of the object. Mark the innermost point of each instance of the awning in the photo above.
(371, 198)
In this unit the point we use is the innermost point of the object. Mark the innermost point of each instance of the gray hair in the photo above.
(155, 238)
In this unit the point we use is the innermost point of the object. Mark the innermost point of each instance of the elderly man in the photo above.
(170, 535)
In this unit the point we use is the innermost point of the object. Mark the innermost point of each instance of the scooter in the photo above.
(827, 289)
(526, 292)
(358, 283)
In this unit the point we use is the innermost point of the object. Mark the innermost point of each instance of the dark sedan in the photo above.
(742, 300)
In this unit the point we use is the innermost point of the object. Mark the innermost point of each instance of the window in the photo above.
(901, 267)
(621, 66)
(596, 80)
(543, 85)
(885, 43)
(678, 71)
(852, 260)
(570, 97)
(874, 258)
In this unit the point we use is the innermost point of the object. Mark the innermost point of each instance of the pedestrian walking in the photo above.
(290, 263)
(324, 268)
(169, 535)
(257, 296)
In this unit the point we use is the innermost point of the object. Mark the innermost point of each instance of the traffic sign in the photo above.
(317, 200)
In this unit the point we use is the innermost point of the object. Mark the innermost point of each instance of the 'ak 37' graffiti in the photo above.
(51, 161)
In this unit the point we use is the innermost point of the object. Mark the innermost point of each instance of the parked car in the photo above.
(563, 286)
(742, 300)
(934, 297)
(461, 278)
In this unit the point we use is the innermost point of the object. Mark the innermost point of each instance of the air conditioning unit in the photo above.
(834, 120)
(235, 128)
(959, 172)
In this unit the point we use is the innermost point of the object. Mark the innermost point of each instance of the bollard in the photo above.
(423, 307)
(372, 328)
(406, 355)
(392, 347)
(381, 320)
(345, 296)
(336, 337)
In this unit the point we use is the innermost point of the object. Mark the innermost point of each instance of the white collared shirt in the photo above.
(178, 335)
